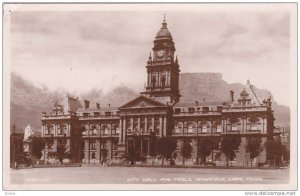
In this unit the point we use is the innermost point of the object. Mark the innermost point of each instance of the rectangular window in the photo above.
(191, 110)
(149, 124)
(157, 125)
(234, 127)
(254, 126)
(96, 114)
(177, 110)
(204, 129)
(205, 109)
(51, 129)
(107, 130)
(93, 145)
(59, 132)
(85, 115)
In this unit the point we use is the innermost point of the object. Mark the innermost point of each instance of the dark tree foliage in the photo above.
(230, 143)
(186, 151)
(206, 146)
(61, 152)
(166, 147)
(286, 153)
(132, 154)
(253, 147)
(38, 144)
(275, 150)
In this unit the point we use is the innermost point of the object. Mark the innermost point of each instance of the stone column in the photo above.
(165, 126)
(153, 125)
(87, 150)
(148, 147)
(131, 124)
(211, 126)
(55, 132)
(124, 131)
(146, 121)
(264, 125)
(139, 123)
(225, 121)
(120, 131)
(98, 146)
(182, 123)
(243, 125)
(158, 79)
(160, 126)
(195, 147)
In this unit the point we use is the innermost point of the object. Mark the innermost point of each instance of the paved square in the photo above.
(142, 175)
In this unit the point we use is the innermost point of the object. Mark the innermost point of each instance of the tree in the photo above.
(206, 147)
(166, 147)
(61, 151)
(229, 143)
(186, 151)
(38, 144)
(253, 147)
(132, 154)
(275, 150)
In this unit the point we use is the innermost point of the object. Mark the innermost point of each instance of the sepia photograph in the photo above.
(149, 96)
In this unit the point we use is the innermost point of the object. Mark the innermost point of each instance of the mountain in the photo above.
(211, 87)
(116, 97)
(29, 101)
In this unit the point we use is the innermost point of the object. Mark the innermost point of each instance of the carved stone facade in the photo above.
(95, 134)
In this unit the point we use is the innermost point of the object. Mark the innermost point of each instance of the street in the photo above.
(143, 175)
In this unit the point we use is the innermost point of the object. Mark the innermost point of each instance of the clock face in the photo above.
(160, 53)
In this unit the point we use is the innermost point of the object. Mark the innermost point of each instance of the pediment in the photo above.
(142, 102)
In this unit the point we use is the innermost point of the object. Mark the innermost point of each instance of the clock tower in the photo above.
(163, 69)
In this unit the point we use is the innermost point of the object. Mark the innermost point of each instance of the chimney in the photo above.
(98, 105)
(232, 96)
(109, 105)
(86, 104)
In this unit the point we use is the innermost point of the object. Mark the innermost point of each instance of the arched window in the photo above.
(235, 122)
(93, 145)
(191, 127)
(216, 126)
(178, 127)
(253, 123)
(128, 125)
(205, 126)
(59, 129)
(50, 129)
(117, 129)
(107, 129)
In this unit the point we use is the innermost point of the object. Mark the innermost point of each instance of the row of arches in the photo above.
(59, 128)
(103, 128)
(217, 126)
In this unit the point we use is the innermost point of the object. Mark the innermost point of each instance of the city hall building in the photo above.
(94, 133)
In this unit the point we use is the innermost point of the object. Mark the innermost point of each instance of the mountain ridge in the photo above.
(27, 105)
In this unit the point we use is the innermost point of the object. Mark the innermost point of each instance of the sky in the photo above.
(83, 50)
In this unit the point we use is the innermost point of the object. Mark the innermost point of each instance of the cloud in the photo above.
(81, 50)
